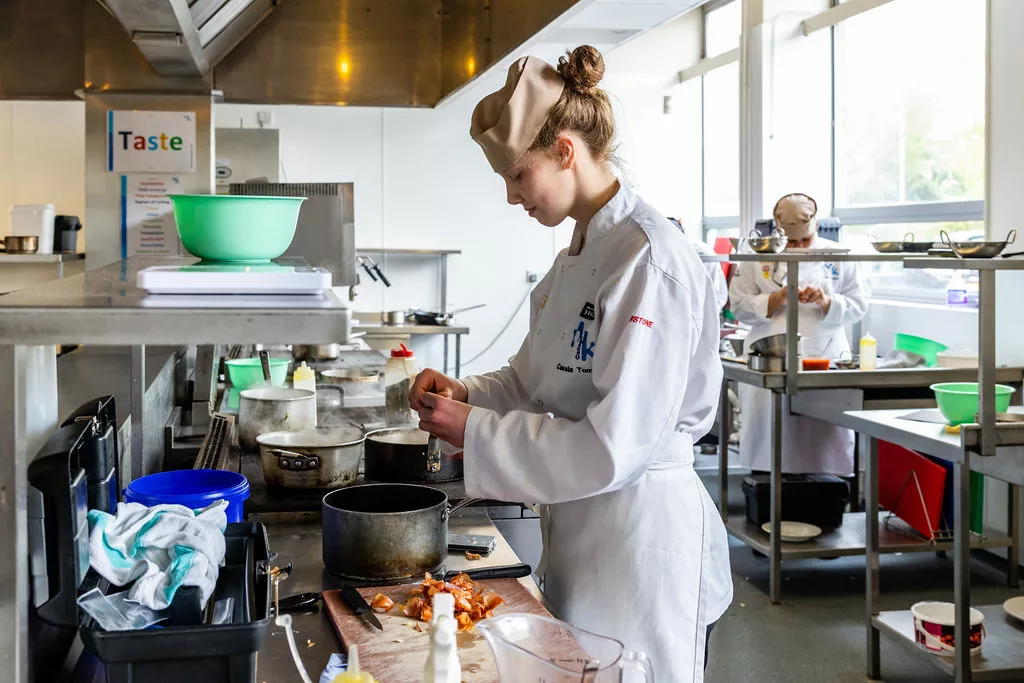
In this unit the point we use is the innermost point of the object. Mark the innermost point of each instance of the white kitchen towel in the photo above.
(160, 548)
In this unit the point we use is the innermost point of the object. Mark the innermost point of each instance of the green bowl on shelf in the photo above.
(235, 228)
(247, 373)
(958, 401)
(921, 346)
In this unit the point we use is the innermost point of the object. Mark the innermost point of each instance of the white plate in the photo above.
(794, 532)
(1015, 607)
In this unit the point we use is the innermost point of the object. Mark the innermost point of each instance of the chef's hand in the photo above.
(776, 301)
(815, 295)
(434, 382)
(444, 418)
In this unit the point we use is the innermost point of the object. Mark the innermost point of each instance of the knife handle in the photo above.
(513, 571)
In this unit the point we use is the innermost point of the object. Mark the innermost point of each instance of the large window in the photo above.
(910, 132)
(910, 118)
(721, 124)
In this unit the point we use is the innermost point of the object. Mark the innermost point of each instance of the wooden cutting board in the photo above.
(398, 654)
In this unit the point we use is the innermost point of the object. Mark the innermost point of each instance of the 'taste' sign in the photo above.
(151, 141)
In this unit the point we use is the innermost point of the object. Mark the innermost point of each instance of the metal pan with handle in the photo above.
(978, 248)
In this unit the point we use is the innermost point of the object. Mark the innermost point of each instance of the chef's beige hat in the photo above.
(796, 214)
(506, 122)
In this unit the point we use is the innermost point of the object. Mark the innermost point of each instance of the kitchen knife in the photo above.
(362, 608)
(512, 571)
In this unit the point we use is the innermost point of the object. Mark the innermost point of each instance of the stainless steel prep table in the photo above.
(787, 386)
(403, 331)
(300, 543)
(826, 396)
(104, 307)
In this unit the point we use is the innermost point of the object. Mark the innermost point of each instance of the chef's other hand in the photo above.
(816, 295)
(776, 301)
(444, 418)
(434, 382)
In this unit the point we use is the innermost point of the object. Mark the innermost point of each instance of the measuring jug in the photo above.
(533, 649)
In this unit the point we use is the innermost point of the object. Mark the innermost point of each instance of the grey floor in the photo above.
(818, 633)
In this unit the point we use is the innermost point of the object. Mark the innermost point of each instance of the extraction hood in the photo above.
(187, 38)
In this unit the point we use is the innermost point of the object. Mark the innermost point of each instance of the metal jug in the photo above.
(533, 649)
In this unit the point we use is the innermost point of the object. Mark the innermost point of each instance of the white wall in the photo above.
(42, 157)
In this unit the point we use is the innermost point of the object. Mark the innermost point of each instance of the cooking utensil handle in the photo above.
(639, 661)
(281, 453)
(298, 602)
(433, 454)
(1011, 236)
(949, 243)
(461, 504)
(380, 274)
(265, 362)
(513, 571)
(909, 237)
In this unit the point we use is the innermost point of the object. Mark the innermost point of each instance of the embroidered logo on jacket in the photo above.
(588, 312)
(581, 342)
(639, 320)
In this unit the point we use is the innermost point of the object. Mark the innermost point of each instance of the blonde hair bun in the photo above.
(582, 69)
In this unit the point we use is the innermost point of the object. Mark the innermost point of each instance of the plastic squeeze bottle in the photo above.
(352, 674)
(399, 373)
(443, 661)
(868, 352)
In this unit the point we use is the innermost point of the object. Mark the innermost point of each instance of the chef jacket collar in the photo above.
(608, 217)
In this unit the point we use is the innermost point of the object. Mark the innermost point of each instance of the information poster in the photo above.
(151, 141)
(147, 219)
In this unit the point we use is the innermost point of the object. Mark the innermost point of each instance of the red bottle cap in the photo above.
(401, 353)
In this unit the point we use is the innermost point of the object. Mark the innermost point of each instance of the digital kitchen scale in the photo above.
(235, 278)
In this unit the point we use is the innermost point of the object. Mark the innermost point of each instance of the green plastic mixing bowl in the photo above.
(235, 228)
(246, 373)
(921, 346)
(958, 401)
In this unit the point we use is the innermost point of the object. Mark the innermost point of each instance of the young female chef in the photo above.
(596, 414)
(831, 295)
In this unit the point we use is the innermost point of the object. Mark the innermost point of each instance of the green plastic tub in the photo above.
(958, 401)
(246, 373)
(921, 346)
(235, 228)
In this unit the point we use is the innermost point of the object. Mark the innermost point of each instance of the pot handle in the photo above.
(461, 504)
(1011, 236)
(291, 461)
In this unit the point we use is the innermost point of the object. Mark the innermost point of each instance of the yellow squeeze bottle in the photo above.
(352, 673)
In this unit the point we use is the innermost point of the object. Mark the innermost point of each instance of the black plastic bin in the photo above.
(202, 653)
(818, 499)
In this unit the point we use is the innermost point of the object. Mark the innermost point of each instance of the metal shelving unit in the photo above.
(827, 396)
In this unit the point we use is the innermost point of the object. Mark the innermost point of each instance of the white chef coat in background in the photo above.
(596, 416)
(808, 446)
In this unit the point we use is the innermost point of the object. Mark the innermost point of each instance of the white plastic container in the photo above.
(34, 220)
(956, 291)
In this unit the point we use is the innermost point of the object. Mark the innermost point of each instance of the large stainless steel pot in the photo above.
(274, 409)
(323, 458)
(386, 532)
(402, 454)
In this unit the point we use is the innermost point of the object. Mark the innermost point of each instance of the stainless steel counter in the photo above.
(299, 542)
(104, 306)
(862, 379)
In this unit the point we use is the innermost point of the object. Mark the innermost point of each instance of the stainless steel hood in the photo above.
(187, 38)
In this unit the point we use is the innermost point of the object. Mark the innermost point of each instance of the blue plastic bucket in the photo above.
(192, 488)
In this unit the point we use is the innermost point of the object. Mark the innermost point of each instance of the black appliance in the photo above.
(818, 499)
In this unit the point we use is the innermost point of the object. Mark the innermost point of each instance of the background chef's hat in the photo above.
(506, 122)
(796, 214)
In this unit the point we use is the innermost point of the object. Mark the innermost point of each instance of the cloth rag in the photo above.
(160, 548)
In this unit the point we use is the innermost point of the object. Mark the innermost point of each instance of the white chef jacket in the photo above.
(596, 416)
(808, 446)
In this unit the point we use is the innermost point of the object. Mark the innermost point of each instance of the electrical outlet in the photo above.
(532, 276)
(265, 118)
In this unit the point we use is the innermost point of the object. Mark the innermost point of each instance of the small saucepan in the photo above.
(20, 244)
(404, 454)
(322, 458)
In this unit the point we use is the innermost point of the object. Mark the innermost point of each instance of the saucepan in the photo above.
(403, 454)
(978, 248)
(323, 458)
(20, 244)
(386, 532)
(274, 409)
(421, 317)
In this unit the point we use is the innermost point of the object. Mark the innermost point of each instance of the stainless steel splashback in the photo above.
(326, 234)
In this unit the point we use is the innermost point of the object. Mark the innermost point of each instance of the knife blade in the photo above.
(358, 603)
